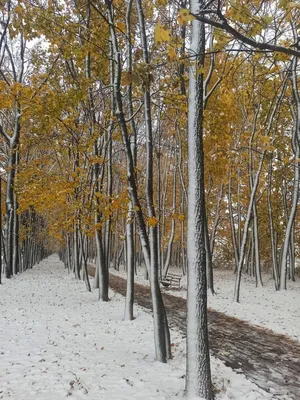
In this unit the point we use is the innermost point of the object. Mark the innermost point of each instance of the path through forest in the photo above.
(269, 360)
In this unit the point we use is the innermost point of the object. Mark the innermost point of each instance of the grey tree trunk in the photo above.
(216, 219)
(254, 207)
(198, 373)
(130, 242)
(148, 244)
(76, 253)
(161, 329)
(1, 241)
(172, 233)
(232, 225)
(209, 264)
(102, 270)
(16, 265)
(83, 242)
(128, 314)
(254, 185)
(290, 224)
(256, 247)
(272, 234)
(13, 144)
(245, 233)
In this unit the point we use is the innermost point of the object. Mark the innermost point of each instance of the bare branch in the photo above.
(4, 134)
(246, 40)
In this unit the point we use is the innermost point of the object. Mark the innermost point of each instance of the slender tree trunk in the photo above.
(216, 220)
(172, 233)
(76, 253)
(198, 374)
(149, 244)
(256, 247)
(254, 207)
(128, 314)
(232, 225)
(103, 280)
(254, 186)
(16, 238)
(209, 264)
(283, 265)
(162, 335)
(85, 270)
(1, 241)
(273, 242)
(130, 234)
(246, 227)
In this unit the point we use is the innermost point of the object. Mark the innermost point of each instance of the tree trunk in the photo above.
(296, 134)
(172, 233)
(232, 225)
(162, 335)
(198, 374)
(246, 227)
(273, 242)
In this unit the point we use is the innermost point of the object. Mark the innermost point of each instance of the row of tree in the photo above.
(97, 98)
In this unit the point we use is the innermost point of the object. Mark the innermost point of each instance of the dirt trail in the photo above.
(270, 360)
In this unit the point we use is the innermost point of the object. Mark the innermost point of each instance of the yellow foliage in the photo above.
(184, 16)
(278, 56)
(181, 217)
(171, 53)
(293, 4)
(283, 3)
(152, 221)
(159, 3)
(161, 34)
(126, 78)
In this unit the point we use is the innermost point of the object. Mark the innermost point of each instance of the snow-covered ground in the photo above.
(57, 340)
(279, 311)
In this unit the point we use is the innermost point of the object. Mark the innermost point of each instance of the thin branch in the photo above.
(137, 111)
(246, 40)
(4, 134)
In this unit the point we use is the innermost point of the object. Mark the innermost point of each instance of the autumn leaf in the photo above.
(152, 221)
(184, 16)
(126, 78)
(171, 53)
(181, 217)
(161, 34)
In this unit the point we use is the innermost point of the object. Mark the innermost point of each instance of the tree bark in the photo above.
(296, 134)
(148, 244)
(198, 375)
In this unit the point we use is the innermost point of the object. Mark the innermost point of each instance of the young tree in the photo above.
(198, 376)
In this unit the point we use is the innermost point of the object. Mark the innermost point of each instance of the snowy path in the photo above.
(269, 360)
(57, 340)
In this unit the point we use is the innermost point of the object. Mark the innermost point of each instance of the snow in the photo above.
(57, 340)
(266, 307)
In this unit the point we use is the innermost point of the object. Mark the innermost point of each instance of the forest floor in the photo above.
(270, 360)
(57, 341)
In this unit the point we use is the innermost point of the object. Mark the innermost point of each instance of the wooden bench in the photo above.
(171, 280)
